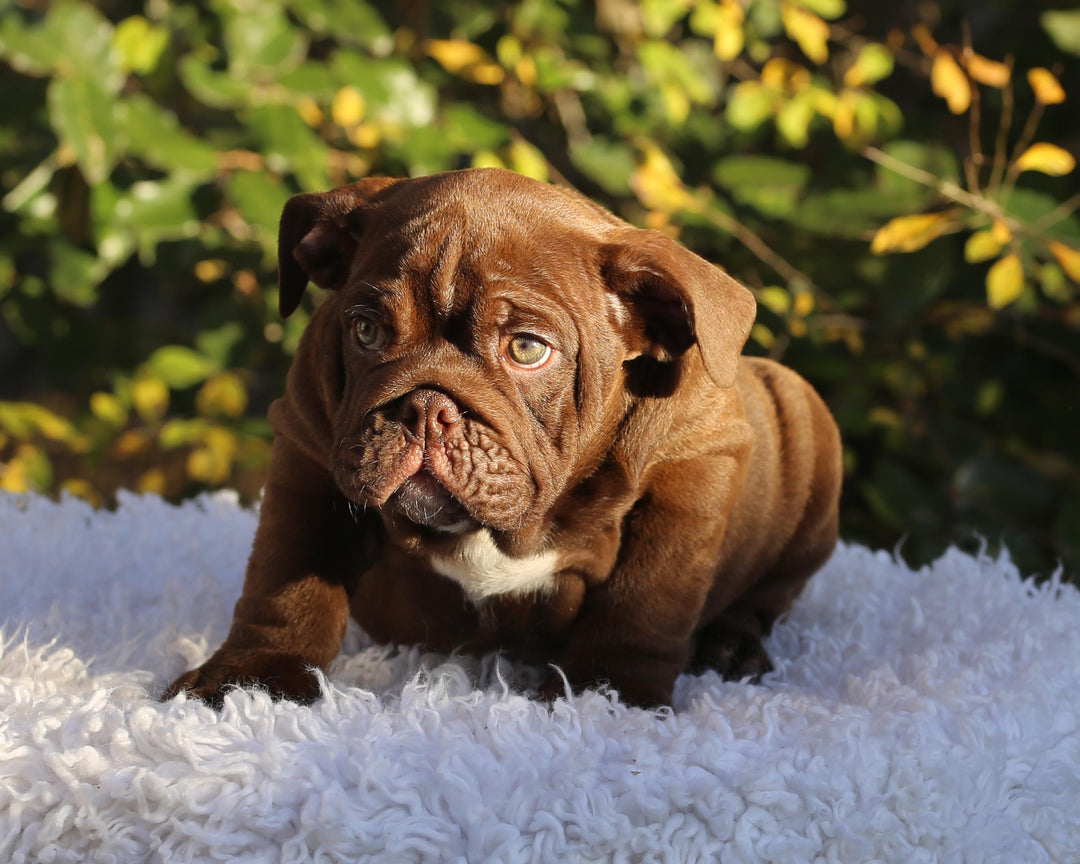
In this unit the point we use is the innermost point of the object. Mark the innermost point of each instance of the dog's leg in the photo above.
(292, 614)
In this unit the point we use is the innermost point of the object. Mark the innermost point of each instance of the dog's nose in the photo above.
(429, 414)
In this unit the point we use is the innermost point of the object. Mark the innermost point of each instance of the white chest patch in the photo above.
(479, 567)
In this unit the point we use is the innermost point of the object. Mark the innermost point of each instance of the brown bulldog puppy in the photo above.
(519, 422)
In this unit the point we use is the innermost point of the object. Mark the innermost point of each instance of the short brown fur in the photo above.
(654, 499)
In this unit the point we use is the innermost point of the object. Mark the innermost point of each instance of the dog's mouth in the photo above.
(423, 500)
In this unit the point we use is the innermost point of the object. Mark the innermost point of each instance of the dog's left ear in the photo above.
(679, 299)
(318, 236)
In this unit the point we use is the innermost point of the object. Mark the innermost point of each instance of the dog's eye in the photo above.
(368, 332)
(527, 352)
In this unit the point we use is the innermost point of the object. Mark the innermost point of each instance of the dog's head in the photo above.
(490, 330)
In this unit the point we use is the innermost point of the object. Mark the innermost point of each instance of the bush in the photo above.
(895, 194)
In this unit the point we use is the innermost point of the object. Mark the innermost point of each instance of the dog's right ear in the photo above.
(318, 236)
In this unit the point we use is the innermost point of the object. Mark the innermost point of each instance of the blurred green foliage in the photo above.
(896, 185)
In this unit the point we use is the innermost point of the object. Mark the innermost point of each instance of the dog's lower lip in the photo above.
(423, 500)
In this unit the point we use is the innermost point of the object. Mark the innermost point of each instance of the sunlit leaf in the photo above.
(763, 336)
(83, 113)
(981, 246)
(793, 120)
(526, 159)
(873, 63)
(151, 398)
(1004, 281)
(151, 482)
(140, 44)
(348, 106)
(657, 184)
(809, 31)
(107, 407)
(1047, 159)
(830, 9)
(775, 299)
(986, 71)
(1048, 89)
(180, 367)
(465, 59)
(1068, 258)
(1054, 284)
(750, 105)
(1063, 26)
(223, 395)
(908, 233)
(949, 81)
(729, 38)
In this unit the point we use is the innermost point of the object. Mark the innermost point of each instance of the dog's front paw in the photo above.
(284, 676)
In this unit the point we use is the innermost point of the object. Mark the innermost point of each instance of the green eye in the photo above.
(368, 332)
(527, 351)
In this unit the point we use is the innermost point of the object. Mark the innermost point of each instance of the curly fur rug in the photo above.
(914, 716)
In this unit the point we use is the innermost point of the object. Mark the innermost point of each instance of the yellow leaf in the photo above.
(1068, 258)
(948, 81)
(1048, 89)
(223, 395)
(131, 443)
(1001, 232)
(988, 72)
(487, 159)
(656, 183)
(775, 299)
(981, 246)
(525, 159)
(82, 489)
(781, 74)
(1004, 282)
(882, 416)
(1047, 158)
(365, 135)
(309, 111)
(873, 63)
(908, 233)
(348, 107)
(152, 482)
(151, 398)
(105, 406)
(465, 59)
(763, 336)
(804, 303)
(809, 31)
(729, 38)
(797, 327)
(210, 269)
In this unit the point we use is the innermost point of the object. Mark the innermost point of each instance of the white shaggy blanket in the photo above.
(913, 717)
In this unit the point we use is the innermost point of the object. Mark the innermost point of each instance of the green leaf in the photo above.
(75, 274)
(149, 212)
(155, 136)
(180, 367)
(260, 198)
(1029, 206)
(606, 162)
(260, 41)
(215, 89)
(468, 130)
(82, 113)
(899, 193)
(348, 21)
(771, 186)
(394, 94)
(1063, 26)
(289, 143)
(830, 9)
(74, 40)
(750, 105)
